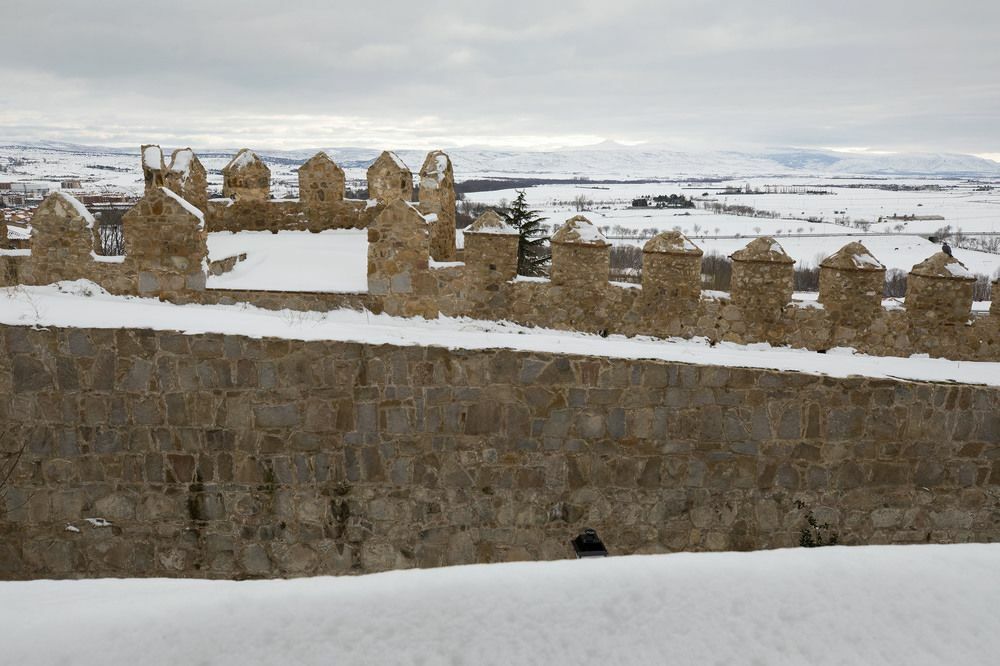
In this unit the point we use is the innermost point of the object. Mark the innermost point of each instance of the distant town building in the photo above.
(70, 185)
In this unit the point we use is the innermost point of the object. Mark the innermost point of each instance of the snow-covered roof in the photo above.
(578, 230)
(853, 257)
(941, 265)
(763, 249)
(671, 242)
(491, 223)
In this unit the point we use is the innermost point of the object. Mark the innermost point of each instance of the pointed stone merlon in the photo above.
(62, 240)
(671, 270)
(187, 178)
(166, 244)
(437, 197)
(246, 178)
(321, 181)
(389, 179)
(153, 168)
(398, 259)
(851, 283)
(490, 251)
(763, 278)
(581, 256)
(940, 288)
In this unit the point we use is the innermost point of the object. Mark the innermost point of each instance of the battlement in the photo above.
(167, 257)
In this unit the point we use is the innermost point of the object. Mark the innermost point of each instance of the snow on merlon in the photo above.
(491, 223)
(152, 157)
(77, 207)
(435, 170)
(578, 230)
(853, 256)
(242, 160)
(941, 265)
(763, 249)
(187, 206)
(181, 162)
(671, 242)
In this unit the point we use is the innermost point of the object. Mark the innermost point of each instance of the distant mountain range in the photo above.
(615, 161)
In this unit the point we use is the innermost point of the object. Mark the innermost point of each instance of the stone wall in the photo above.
(398, 258)
(290, 215)
(159, 454)
(166, 246)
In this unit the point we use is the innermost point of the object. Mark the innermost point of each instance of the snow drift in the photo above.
(863, 605)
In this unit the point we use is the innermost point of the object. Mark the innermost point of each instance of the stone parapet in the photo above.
(389, 179)
(437, 197)
(321, 181)
(581, 256)
(398, 262)
(762, 280)
(851, 285)
(246, 178)
(166, 245)
(187, 178)
(671, 272)
(940, 289)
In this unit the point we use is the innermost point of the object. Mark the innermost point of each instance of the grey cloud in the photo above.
(895, 75)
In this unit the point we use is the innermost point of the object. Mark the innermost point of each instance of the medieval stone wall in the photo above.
(159, 454)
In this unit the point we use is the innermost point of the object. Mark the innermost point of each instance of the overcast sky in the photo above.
(920, 75)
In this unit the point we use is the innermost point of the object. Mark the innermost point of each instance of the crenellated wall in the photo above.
(168, 261)
(153, 453)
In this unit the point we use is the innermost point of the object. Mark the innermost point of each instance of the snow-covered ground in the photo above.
(872, 605)
(330, 261)
(84, 304)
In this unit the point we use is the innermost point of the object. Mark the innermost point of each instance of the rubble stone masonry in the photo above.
(161, 454)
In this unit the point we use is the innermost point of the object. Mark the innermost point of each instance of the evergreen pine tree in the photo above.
(532, 248)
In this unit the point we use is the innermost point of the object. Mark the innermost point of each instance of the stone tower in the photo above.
(851, 284)
(187, 177)
(581, 256)
(437, 197)
(671, 271)
(389, 179)
(763, 279)
(246, 178)
(490, 251)
(166, 245)
(940, 289)
(153, 168)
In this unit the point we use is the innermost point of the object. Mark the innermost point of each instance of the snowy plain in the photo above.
(84, 304)
(872, 605)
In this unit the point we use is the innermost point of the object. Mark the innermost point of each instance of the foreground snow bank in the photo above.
(84, 304)
(870, 605)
